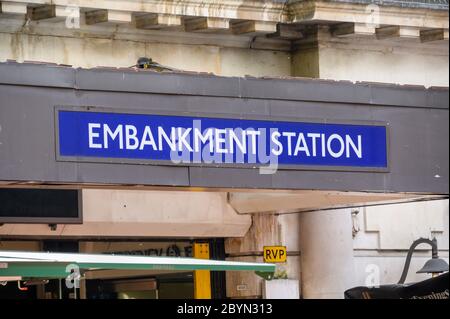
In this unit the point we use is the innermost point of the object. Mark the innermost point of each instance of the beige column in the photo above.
(326, 247)
(267, 230)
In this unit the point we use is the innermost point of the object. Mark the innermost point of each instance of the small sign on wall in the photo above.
(274, 254)
(40, 205)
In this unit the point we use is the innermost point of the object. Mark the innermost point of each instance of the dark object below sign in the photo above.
(433, 288)
(40, 206)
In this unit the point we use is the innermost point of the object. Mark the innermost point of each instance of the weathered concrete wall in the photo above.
(417, 64)
(385, 233)
(125, 213)
(92, 52)
(384, 65)
(353, 58)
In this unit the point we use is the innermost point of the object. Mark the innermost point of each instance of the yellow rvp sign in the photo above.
(274, 254)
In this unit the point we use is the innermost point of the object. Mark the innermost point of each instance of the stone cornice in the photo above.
(281, 11)
(208, 21)
(344, 11)
(226, 9)
(416, 4)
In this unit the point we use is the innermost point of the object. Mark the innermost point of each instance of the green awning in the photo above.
(59, 265)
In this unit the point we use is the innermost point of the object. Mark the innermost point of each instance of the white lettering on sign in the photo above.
(350, 143)
(92, 135)
(227, 141)
(108, 133)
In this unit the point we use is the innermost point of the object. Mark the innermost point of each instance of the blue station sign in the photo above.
(94, 135)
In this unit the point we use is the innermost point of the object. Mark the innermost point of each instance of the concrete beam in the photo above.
(158, 21)
(147, 214)
(253, 27)
(387, 32)
(352, 29)
(52, 13)
(107, 17)
(287, 32)
(399, 32)
(13, 8)
(288, 202)
(42, 12)
(206, 24)
(433, 35)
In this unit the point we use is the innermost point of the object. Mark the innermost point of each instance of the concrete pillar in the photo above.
(326, 248)
(266, 230)
(263, 232)
(305, 62)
